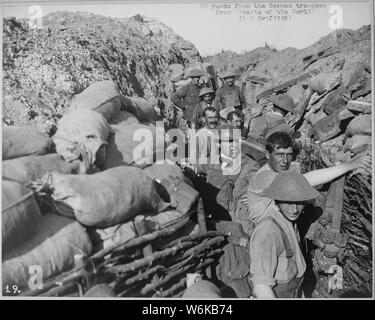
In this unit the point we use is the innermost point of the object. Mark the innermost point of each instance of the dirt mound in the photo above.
(343, 50)
(44, 68)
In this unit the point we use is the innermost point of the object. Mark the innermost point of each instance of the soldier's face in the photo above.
(280, 159)
(291, 210)
(195, 80)
(236, 122)
(231, 148)
(229, 81)
(211, 119)
(207, 98)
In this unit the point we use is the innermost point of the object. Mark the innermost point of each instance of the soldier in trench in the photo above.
(207, 96)
(230, 97)
(279, 154)
(187, 97)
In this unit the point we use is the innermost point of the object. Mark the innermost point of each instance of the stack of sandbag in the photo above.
(164, 170)
(176, 72)
(358, 135)
(82, 134)
(103, 97)
(124, 118)
(135, 145)
(103, 238)
(24, 141)
(31, 168)
(142, 109)
(106, 198)
(49, 251)
(20, 214)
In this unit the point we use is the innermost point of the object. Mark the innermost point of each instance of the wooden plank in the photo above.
(320, 55)
(285, 85)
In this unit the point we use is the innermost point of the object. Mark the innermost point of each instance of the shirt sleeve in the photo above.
(240, 186)
(196, 114)
(177, 96)
(242, 97)
(264, 251)
(217, 100)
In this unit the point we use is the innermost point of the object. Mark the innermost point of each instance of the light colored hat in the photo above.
(283, 101)
(227, 74)
(195, 73)
(205, 90)
(289, 186)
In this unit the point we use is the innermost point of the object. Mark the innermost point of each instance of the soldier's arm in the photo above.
(177, 97)
(217, 101)
(322, 176)
(241, 94)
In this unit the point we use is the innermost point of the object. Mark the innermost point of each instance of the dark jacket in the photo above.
(230, 96)
(187, 98)
(221, 192)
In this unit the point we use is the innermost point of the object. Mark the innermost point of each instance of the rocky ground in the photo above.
(43, 69)
(346, 53)
(351, 55)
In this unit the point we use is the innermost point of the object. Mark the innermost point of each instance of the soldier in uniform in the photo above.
(187, 97)
(207, 96)
(230, 96)
(262, 126)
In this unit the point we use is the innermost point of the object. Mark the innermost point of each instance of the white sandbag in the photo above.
(102, 97)
(124, 118)
(359, 125)
(50, 250)
(81, 133)
(24, 141)
(31, 168)
(140, 107)
(358, 143)
(20, 214)
(106, 198)
(135, 145)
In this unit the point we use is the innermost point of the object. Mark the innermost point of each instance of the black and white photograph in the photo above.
(188, 150)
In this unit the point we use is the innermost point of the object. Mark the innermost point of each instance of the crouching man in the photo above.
(277, 265)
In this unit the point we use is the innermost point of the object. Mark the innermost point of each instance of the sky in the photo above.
(212, 29)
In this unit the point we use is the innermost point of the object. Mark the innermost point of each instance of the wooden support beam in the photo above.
(286, 85)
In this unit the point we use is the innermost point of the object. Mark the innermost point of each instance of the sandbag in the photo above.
(359, 125)
(31, 168)
(135, 145)
(20, 214)
(202, 289)
(182, 83)
(327, 128)
(176, 72)
(24, 141)
(164, 170)
(324, 81)
(51, 247)
(102, 96)
(357, 143)
(297, 93)
(141, 108)
(81, 133)
(182, 196)
(124, 118)
(100, 290)
(107, 237)
(106, 198)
